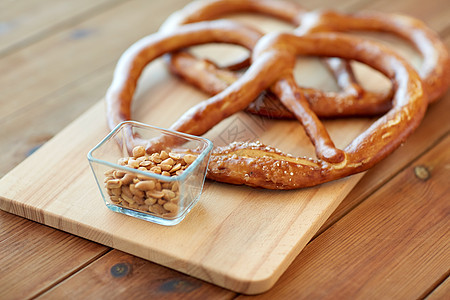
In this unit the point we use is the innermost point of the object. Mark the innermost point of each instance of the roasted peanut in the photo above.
(126, 191)
(154, 194)
(156, 170)
(155, 158)
(145, 163)
(168, 194)
(113, 184)
(150, 201)
(143, 192)
(118, 174)
(174, 156)
(169, 206)
(138, 151)
(165, 167)
(147, 185)
(135, 191)
(157, 209)
(163, 155)
(132, 163)
(189, 158)
(127, 179)
(169, 161)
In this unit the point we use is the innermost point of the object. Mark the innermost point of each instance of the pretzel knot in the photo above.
(273, 60)
(352, 100)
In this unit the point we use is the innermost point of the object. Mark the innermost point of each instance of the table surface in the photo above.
(388, 239)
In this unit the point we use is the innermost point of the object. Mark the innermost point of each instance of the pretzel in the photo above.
(353, 100)
(255, 164)
(435, 68)
(273, 59)
(135, 58)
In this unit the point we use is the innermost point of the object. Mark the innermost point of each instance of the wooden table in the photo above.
(389, 239)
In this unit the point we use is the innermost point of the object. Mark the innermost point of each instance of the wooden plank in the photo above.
(435, 14)
(48, 101)
(34, 257)
(120, 275)
(441, 292)
(100, 42)
(24, 22)
(394, 245)
(431, 130)
(61, 95)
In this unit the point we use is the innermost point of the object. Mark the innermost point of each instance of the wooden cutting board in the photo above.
(237, 237)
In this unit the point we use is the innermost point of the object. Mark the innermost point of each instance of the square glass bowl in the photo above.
(160, 187)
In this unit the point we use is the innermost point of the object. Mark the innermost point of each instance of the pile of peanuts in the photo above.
(144, 193)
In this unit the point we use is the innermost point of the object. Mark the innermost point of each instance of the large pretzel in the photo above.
(273, 61)
(353, 100)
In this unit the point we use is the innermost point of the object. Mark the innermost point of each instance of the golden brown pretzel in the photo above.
(129, 67)
(351, 100)
(354, 101)
(435, 68)
(273, 61)
(258, 165)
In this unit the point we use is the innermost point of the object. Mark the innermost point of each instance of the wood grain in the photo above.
(442, 291)
(139, 279)
(25, 22)
(360, 257)
(33, 256)
(431, 130)
(54, 105)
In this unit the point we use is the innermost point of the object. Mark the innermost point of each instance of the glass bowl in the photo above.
(160, 184)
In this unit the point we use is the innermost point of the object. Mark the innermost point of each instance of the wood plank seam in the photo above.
(71, 274)
(436, 286)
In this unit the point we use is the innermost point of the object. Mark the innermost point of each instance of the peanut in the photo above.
(168, 161)
(174, 156)
(138, 151)
(127, 179)
(147, 185)
(169, 206)
(189, 158)
(143, 192)
(175, 168)
(163, 155)
(113, 184)
(132, 163)
(165, 167)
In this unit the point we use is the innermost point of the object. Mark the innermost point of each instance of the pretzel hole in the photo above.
(321, 79)
(152, 100)
(262, 23)
(379, 82)
(220, 54)
(399, 45)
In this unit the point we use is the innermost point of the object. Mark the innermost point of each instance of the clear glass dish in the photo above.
(161, 186)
